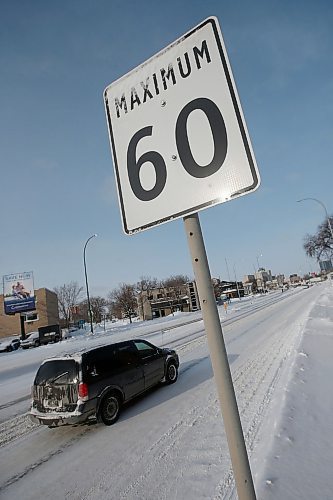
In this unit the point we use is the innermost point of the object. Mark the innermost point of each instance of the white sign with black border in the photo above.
(177, 132)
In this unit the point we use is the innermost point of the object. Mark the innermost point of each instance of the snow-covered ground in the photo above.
(170, 444)
(299, 463)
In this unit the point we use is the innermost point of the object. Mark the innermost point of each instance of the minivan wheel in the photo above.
(109, 409)
(171, 373)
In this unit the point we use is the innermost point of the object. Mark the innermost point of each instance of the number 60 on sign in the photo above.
(177, 132)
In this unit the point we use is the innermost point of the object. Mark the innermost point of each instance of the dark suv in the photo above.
(95, 383)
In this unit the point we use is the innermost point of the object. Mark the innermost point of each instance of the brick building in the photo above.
(162, 301)
(46, 313)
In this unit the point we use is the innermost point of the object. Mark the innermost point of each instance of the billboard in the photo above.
(18, 292)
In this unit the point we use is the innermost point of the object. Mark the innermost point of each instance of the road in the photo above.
(169, 444)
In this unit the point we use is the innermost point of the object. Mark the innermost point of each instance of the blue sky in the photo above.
(57, 178)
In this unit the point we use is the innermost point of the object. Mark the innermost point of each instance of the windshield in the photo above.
(33, 335)
(57, 372)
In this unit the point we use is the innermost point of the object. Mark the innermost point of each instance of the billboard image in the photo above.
(18, 293)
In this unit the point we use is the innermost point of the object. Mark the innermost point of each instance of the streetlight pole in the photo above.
(326, 213)
(226, 263)
(239, 297)
(85, 274)
(258, 263)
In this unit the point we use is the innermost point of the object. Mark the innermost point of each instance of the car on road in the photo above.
(8, 345)
(72, 329)
(96, 382)
(31, 341)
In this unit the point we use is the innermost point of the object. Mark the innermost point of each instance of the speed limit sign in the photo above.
(178, 137)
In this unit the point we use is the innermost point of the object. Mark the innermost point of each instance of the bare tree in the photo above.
(68, 296)
(320, 245)
(143, 289)
(175, 285)
(173, 288)
(176, 281)
(97, 306)
(124, 298)
(113, 310)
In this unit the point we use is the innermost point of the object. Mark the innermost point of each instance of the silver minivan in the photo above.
(95, 383)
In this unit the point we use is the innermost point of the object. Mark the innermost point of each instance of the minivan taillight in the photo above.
(83, 391)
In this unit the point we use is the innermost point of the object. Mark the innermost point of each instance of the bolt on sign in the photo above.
(177, 132)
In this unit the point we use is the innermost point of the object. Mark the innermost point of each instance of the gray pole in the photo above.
(226, 263)
(219, 359)
(86, 277)
(239, 297)
(22, 318)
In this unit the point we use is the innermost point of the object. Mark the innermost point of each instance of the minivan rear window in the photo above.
(57, 372)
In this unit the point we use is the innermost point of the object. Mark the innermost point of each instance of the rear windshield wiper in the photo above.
(52, 380)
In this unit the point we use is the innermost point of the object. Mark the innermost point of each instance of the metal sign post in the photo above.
(22, 319)
(218, 355)
(180, 144)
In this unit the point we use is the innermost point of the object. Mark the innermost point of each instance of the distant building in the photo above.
(227, 289)
(280, 279)
(275, 283)
(262, 281)
(249, 284)
(249, 278)
(262, 277)
(294, 279)
(163, 301)
(232, 289)
(46, 313)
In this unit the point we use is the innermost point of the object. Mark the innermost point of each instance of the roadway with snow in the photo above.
(170, 444)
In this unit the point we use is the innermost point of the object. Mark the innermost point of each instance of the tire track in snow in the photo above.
(154, 471)
(159, 455)
(163, 453)
(45, 458)
(15, 428)
(15, 401)
(255, 384)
